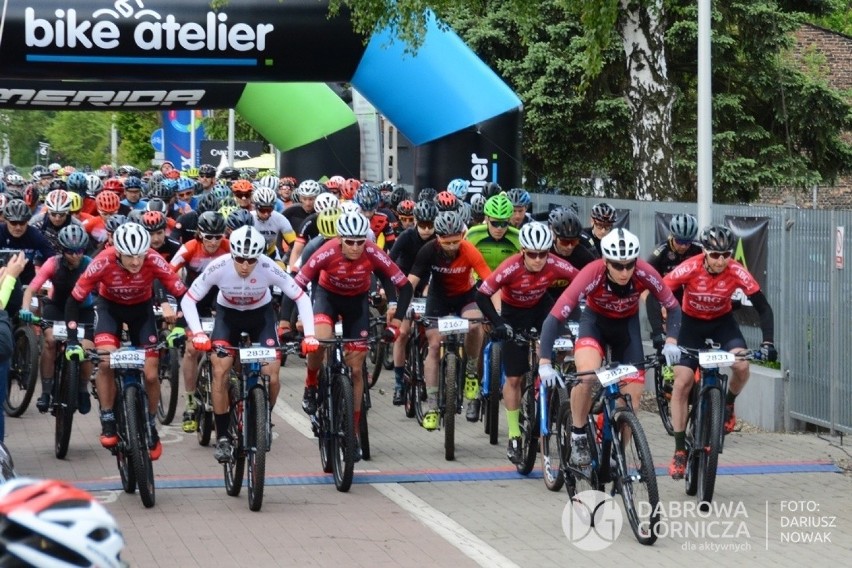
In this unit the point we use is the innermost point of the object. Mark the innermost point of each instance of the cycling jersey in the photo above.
(184, 227)
(296, 215)
(119, 286)
(579, 257)
(345, 277)
(449, 276)
(493, 251)
(521, 288)
(380, 224)
(406, 247)
(590, 241)
(168, 249)
(62, 278)
(96, 227)
(34, 245)
(276, 224)
(309, 229)
(238, 293)
(708, 296)
(195, 258)
(140, 205)
(49, 230)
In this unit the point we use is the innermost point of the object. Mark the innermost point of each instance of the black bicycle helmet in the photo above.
(398, 195)
(427, 193)
(604, 213)
(239, 218)
(714, 238)
(73, 237)
(565, 223)
(207, 202)
(211, 223)
(229, 173)
(425, 210)
(17, 211)
(449, 223)
(491, 189)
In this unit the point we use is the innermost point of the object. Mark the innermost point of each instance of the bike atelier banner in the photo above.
(178, 40)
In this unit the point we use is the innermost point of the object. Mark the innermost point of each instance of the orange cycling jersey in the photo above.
(195, 258)
(449, 276)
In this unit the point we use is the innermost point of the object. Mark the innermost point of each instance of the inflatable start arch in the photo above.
(268, 60)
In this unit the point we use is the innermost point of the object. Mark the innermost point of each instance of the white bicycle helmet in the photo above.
(264, 197)
(16, 180)
(325, 202)
(247, 242)
(348, 207)
(536, 236)
(352, 225)
(94, 184)
(309, 188)
(620, 245)
(58, 201)
(52, 523)
(269, 182)
(131, 239)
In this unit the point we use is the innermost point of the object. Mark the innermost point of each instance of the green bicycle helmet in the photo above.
(498, 207)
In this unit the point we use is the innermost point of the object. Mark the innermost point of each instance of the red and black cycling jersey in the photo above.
(521, 288)
(708, 296)
(116, 284)
(449, 276)
(607, 298)
(345, 277)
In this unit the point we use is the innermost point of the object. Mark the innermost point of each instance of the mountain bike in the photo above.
(619, 449)
(250, 429)
(168, 371)
(491, 389)
(663, 385)
(551, 402)
(65, 385)
(203, 413)
(705, 421)
(380, 353)
(333, 422)
(416, 349)
(131, 416)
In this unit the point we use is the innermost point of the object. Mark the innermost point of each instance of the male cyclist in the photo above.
(243, 304)
(523, 280)
(604, 217)
(521, 202)
(124, 276)
(448, 263)
(273, 225)
(344, 268)
(612, 286)
(62, 270)
(707, 281)
(57, 216)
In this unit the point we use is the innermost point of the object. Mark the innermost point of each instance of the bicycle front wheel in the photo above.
(363, 426)
(529, 425)
(663, 394)
(257, 422)
(451, 367)
(137, 448)
(636, 479)
(69, 378)
(343, 433)
(235, 468)
(203, 401)
(23, 372)
(169, 377)
(551, 462)
(708, 456)
(492, 410)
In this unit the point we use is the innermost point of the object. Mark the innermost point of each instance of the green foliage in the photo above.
(80, 138)
(216, 127)
(24, 131)
(135, 129)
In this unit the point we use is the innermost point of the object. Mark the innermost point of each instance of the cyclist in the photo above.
(243, 304)
(403, 253)
(16, 234)
(124, 276)
(679, 246)
(707, 281)
(206, 177)
(521, 202)
(306, 193)
(210, 243)
(523, 279)
(62, 270)
(367, 197)
(133, 194)
(107, 204)
(497, 240)
(477, 209)
(405, 214)
(55, 217)
(53, 523)
(185, 226)
(604, 217)
(448, 263)
(344, 267)
(155, 223)
(323, 202)
(286, 185)
(566, 244)
(273, 225)
(612, 286)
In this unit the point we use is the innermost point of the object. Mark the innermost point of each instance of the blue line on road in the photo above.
(433, 476)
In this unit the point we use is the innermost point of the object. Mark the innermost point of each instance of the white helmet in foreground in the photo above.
(131, 239)
(247, 242)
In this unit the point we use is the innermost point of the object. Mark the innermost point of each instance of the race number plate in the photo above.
(257, 354)
(60, 331)
(158, 311)
(716, 359)
(610, 376)
(452, 325)
(207, 325)
(127, 359)
(563, 344)
(418, 306)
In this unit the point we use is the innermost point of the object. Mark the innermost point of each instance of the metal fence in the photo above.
(811, 298)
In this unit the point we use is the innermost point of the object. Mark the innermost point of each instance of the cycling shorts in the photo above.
(354, 310)
(259, 323)
(723, 330)
(516, 356)
(621, 335)
(52, 312)
(139, 318)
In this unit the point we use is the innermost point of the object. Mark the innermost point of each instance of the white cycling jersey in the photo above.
(277, 224)
(238, 293)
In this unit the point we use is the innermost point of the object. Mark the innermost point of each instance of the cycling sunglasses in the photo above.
(265, 209)
(622, 266)
(536, 255)
(354, 242)
(498, 224)
(569, 242)
(426, 224)
(242, 194)
(683, 242)
(244, 260)
(207, 237)
(74, 251)
(717, 255)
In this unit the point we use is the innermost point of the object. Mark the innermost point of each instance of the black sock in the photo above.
(730, 398)
(680, 441)
(578, 431)
(222, 423)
